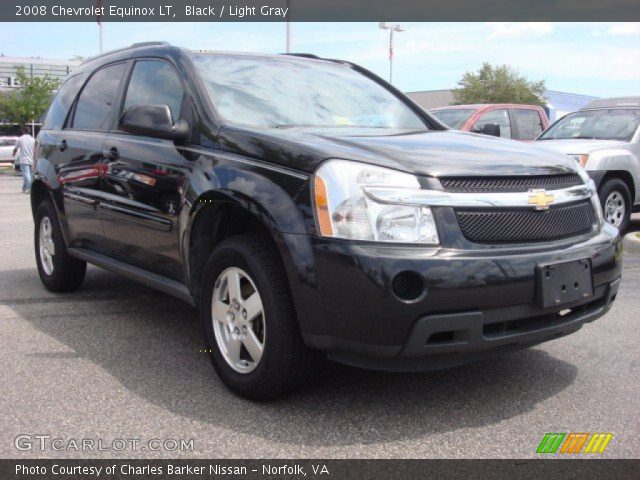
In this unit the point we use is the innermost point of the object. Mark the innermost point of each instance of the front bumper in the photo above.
(476, 302)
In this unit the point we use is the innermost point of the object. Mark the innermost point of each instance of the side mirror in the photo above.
(154, 121)
(492, 129)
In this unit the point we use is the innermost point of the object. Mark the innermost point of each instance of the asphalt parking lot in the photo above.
(116, 360)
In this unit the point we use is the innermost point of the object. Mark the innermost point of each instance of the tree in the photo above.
(30, 100)
(499, 84)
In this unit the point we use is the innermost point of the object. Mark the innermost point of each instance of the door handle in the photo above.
(62, 146)
(111, 154)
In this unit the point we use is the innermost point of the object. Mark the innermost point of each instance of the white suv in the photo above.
(604, 137)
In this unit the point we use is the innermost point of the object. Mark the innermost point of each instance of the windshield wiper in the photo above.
(579, 137)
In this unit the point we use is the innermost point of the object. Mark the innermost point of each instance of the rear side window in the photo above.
(62, 103)
(7, 142)
(529, 123)
(155, 82)
(94, 107)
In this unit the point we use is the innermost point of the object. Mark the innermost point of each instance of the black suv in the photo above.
(308, 208)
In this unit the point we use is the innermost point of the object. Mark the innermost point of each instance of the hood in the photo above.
(579, 146)
(432, 153)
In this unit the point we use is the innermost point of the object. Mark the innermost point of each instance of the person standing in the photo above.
(25, 146)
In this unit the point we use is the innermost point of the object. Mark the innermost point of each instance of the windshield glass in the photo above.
(605, 124)
(454, 117)
(292, 92)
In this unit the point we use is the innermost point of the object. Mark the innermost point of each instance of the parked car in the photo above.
(518, 122)
(309, 208)
(604, 138)
(7, 144)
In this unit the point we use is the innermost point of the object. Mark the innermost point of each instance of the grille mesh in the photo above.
(509, 184)
(523, 226)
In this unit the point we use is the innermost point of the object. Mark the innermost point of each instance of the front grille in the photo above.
(516, 225)
(509, 184)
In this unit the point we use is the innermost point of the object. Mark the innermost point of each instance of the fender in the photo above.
(618, 159)
(45, 174)
(277, 197)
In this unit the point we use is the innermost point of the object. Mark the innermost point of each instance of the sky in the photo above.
(600, 59)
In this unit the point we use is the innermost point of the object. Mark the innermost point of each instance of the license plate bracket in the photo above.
(561, 283)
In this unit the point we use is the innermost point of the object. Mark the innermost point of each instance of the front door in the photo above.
(143, 178)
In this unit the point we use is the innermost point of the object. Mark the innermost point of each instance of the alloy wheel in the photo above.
(47, 247)
(238, 320)
(614, 208)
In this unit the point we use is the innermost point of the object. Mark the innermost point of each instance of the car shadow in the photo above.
(151, 344)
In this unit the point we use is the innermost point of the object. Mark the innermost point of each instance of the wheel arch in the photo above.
(218, 215)
(626, 177)
(39, 193)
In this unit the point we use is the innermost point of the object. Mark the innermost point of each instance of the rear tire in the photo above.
(615, 199)
(233, 337)
(58, 271)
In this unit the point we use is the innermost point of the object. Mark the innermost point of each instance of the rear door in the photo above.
(144, 177)
(78, 156)
(528, 122)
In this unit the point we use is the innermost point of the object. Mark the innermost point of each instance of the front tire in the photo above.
(615, 199)
(58, 271)
(249, 321)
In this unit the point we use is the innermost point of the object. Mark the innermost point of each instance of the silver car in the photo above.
(604, 137)
(7, 144)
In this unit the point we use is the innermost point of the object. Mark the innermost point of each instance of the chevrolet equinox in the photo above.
(309, 209)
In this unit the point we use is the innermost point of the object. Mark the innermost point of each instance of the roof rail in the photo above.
(304, 55)
(123, 49)
(147, 44)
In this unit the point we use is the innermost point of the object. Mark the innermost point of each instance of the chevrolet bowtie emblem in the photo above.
(541, 199)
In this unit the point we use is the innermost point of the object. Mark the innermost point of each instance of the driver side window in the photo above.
(499, 117)
(155, 82)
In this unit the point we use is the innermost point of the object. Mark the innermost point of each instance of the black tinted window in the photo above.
(528, 122)
(62, 103)
(155, 83)
(96, 100)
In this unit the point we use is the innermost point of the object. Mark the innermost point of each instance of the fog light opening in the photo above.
(408, 286)
(441, 337)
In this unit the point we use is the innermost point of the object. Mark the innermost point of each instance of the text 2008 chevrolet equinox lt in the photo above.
(308, 208)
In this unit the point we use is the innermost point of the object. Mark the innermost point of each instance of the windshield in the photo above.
(292, 92)
(605, 124)
(453, 117)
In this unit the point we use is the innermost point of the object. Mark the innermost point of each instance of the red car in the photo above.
(507, 120)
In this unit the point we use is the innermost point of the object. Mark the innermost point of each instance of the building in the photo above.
(561, 103)
(432, 98)
(558, 103)
(34, 67)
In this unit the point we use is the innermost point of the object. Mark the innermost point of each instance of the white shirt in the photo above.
(25, 145)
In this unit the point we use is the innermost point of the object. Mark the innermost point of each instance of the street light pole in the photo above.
(392, 28)
(99, 21)
(288, 27)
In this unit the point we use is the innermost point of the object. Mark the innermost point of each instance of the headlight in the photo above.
(595, 200)
(581, 159)
(343, 209)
